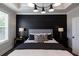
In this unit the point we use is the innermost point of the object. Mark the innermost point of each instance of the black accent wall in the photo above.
(43, 22)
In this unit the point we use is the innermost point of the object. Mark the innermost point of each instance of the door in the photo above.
(75, 35)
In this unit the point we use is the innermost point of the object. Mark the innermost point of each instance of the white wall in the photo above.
(70, 15)
(12, 29)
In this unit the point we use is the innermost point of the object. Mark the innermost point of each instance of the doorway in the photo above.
(75, 35)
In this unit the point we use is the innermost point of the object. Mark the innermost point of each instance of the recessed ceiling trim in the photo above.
(59, 9)
(28, 10)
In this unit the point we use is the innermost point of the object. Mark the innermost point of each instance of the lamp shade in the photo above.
(60, 29)
(21, 29)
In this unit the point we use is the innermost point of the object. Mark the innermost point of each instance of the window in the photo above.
(3, 26)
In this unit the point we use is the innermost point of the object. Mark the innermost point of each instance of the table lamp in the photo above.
(21, 30)
(60, 30)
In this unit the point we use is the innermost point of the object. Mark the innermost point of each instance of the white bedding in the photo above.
(51, 41)
(33, 41)
(30, 41)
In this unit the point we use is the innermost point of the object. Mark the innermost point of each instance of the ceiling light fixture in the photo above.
(35, 8)
(43, 7)
(43, 10)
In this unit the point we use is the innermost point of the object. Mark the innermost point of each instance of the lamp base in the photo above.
(60, 34)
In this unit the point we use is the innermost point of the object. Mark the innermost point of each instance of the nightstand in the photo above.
(18, 41)
(64, 42)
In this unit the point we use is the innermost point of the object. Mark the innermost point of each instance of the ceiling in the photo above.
(23, 8)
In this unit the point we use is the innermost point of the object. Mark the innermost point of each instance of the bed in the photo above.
(48, 48)
(41, 43)
(35, 47)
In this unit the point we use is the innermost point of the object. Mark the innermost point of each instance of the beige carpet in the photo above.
(40, 52)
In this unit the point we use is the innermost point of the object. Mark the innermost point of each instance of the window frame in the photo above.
(6, 28)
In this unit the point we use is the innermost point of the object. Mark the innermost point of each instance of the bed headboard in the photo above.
(41, 31)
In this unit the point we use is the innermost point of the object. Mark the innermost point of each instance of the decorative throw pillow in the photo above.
(49, 37)
(40, 38)
(31, 37)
